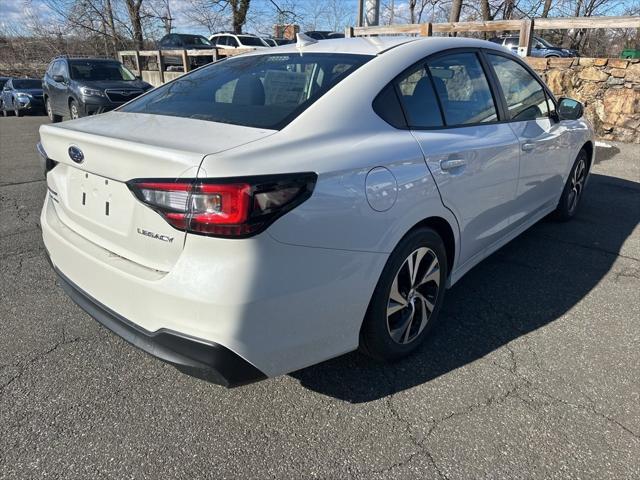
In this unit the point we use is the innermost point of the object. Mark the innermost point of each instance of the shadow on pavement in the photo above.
(526, 285)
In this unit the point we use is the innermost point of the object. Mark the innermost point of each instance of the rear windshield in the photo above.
(96, 71)
(251, 41)
(264, 91)
(19, 84)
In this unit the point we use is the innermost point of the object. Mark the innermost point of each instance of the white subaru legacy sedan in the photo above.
(279, 208)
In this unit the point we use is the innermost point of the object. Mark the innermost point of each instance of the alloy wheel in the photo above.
(49, 111)
(577, 184)
(413, 295)
(74, 111)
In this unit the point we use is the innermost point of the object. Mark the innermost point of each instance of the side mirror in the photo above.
(58, 78)
(570, 109)
(537, 47)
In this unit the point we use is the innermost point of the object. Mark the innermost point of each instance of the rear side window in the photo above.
(418, 99)
(264, 91)
(463, 89)
(526, 99)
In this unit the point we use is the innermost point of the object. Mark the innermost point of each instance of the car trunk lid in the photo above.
(91, 196)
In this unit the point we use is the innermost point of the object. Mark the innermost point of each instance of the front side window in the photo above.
(96, 71)
(526, 99)
(263, 91)
(418, 99)
(463, 89)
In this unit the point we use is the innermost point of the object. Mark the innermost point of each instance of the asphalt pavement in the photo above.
(534, 372)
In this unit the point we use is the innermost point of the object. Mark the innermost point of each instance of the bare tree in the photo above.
(456, 7)
(161, 10)
(546, 8)
(134, 11)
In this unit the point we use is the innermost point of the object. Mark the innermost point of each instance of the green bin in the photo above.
(630, 53)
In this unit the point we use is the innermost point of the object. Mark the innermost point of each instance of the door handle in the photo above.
(452, 163)
(527, 147)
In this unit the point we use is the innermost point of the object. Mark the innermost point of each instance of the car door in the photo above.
(232, 42)
(58, 94)
(543, 140)
(472, 156)
(219, 41)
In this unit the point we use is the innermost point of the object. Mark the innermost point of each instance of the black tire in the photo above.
(16, 111)
(52, 116)
(573, 189)
(74, 110)
(376, 337)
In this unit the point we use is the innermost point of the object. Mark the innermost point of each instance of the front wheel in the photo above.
(74, 110)
(407, 299)
(572, 193)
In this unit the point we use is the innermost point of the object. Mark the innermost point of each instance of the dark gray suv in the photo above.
(77, 87)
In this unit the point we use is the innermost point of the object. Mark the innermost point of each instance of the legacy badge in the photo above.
(157, 236)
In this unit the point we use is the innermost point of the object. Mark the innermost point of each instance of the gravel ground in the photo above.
(534, 373)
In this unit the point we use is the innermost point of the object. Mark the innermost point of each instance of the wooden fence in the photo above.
(156, 58)
(524, 26)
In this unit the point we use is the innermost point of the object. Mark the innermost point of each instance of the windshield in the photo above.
(195, 40)
(264, 91)
(251, 41)
(544, 42)
(26, 84)
(96, 71)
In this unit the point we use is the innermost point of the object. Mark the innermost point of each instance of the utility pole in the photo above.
(372, 12)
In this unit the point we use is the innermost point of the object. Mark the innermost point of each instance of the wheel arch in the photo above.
(590, 149)
(443, 228)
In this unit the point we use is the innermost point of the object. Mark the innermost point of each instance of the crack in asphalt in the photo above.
(23, 365)
(592, 407)
(26, 182)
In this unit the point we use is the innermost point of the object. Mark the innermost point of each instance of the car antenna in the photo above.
(303, 40)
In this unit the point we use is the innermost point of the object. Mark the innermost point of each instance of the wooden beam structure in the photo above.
(524, 26)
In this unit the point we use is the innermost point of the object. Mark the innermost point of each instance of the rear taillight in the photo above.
(230, 207)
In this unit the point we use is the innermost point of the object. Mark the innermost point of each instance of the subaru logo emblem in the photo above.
(76, 154)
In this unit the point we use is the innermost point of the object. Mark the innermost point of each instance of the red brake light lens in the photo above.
(226, 207)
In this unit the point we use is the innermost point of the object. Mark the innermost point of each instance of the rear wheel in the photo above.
(572, 193)
(407, 299)
(16, 111)
(52, 116)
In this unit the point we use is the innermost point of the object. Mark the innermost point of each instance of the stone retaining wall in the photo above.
(609, 88)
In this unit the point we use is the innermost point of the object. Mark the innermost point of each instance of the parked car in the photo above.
(276, 209)
(181, 41)
(324, 34)
(78, 87)
(21, 95)
(539, 48)
(276, 42)
(232, 40)
(3, 80)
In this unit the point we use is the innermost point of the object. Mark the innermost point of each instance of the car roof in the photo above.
(378, 45)
(84, 59)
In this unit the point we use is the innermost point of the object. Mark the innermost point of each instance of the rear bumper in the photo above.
(195, 357)
(278, 307)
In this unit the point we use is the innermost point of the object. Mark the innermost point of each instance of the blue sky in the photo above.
(262, 13)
